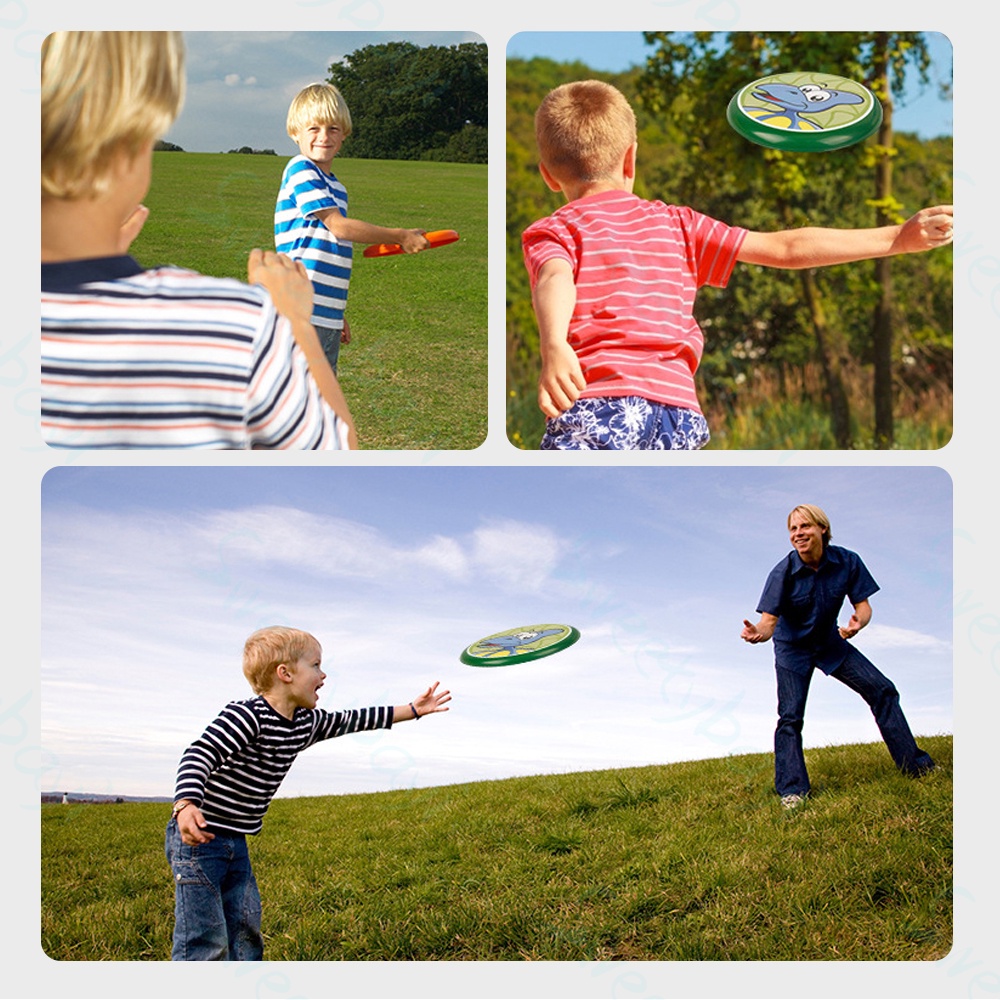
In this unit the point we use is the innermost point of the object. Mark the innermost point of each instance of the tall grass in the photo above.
(415, 371)
(788, 409)
(691, 861)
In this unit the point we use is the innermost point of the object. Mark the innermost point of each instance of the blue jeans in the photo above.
(862, 676)
(329, 340)
(216, 902)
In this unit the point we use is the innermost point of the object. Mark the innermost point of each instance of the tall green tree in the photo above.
(410, 102)
(689, 78)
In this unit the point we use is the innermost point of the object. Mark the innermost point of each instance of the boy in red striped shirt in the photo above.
(614, 278)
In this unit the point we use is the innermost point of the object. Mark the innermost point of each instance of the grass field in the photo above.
(415, 372)
(692, 861)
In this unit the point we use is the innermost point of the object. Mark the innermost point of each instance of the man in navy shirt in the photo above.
(799, 609)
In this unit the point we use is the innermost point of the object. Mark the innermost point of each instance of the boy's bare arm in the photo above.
(815, 247)
(358, 231)
(292, 293)
(553, 299)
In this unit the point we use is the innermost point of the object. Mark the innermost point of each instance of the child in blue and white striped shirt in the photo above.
(310, 217)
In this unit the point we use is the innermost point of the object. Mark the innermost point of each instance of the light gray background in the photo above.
(973, 967)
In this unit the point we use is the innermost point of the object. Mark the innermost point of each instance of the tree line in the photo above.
(409, 102)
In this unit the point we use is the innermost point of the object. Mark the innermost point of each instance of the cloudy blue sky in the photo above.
(152, 578)
(240, 83)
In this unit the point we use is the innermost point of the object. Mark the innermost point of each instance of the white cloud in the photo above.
(877, 636)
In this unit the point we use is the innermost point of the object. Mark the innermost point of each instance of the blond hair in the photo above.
(814, 515)
(318, 104)
(583, 129)
(267, 648)
(104, 93)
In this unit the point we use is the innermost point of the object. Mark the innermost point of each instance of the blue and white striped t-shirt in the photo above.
(305, 191)
(233, 769)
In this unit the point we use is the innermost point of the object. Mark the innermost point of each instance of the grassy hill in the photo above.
(690, 861)
(415, 372)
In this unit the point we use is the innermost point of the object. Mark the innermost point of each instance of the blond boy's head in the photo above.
(583, 131)
(318, 104)
(267, 648)
(104, 94)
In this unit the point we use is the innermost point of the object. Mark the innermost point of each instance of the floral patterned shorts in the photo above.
(625, 423)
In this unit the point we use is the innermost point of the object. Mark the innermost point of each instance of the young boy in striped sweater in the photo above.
(311, 224)
(228, 776)
(161, 357)
(614, 279)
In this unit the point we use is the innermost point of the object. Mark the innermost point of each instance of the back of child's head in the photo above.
(318, 104)
(104, 93)
(268, 647)
(583, 129)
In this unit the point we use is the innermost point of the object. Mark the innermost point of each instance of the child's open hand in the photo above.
(286, 280)
(561, 381)
(929, 228)
(432, 700)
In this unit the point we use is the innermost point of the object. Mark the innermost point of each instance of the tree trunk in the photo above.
(882, 332)
(831, 362)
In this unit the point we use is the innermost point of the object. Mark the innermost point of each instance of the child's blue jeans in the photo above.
(329, 340)
(216, 902)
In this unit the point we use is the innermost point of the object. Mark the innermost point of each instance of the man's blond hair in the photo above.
(104, 93)
(267, 648)
(318, 104)
(583, 129)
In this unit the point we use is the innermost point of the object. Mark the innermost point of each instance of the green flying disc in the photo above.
(804, 112)
(517, 645)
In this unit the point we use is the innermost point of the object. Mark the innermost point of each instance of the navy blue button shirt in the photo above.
(807, 603)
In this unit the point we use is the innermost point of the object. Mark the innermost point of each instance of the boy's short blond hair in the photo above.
(814, 515)
(104, 93)
(318, 104)
(269, 647)
(583, 129)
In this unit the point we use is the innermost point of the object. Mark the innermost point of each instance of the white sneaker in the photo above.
(792, 801)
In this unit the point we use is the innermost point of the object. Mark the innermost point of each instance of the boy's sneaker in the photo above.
(792, 801)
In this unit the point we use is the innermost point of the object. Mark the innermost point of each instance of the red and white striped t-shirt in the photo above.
(637, 266)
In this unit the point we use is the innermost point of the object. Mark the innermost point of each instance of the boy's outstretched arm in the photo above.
(292, 294)
(357, 231)
(553, 299)
(428, 703)
(815, 247)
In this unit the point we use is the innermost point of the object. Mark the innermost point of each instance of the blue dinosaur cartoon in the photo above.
(794, 101)
(510, 644)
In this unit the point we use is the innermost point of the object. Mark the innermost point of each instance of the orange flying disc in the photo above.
(437, 238)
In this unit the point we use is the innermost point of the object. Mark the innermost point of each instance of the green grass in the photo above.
(691, 861)
(415, 372)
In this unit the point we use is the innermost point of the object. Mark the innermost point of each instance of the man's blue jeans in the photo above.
(862, 676)
(216, 902)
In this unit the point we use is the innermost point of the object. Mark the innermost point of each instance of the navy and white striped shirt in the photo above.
(233, 769)
(169, 358)
(306, 190)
